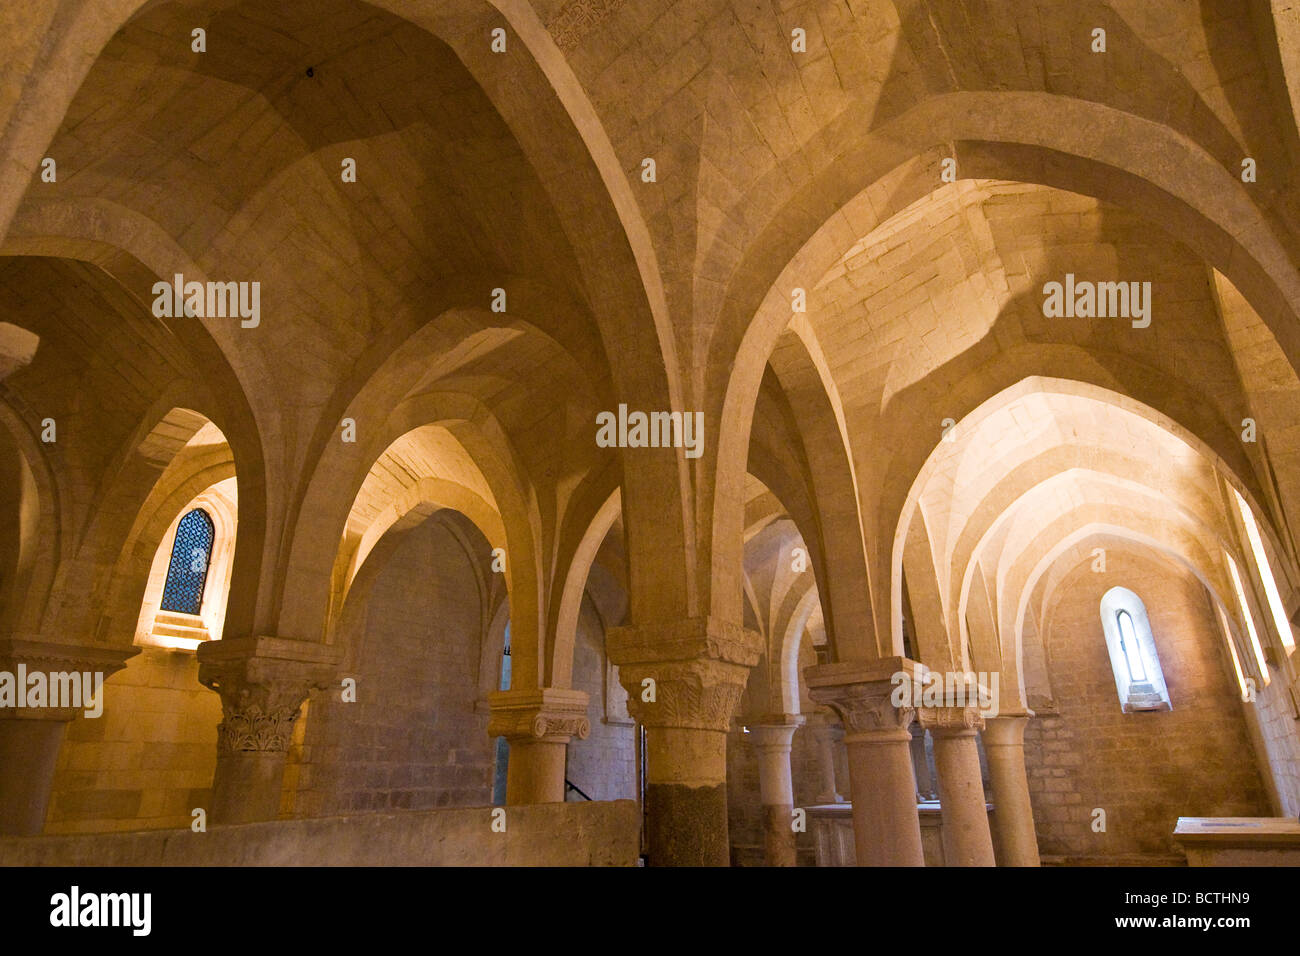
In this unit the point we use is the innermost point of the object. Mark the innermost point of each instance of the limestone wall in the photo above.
(1280, 743)
(147, 761)
(1144, 769)
(603, 765)
(416, 736)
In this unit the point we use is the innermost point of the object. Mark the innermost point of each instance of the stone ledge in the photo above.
(596, 833)
(1239, 841)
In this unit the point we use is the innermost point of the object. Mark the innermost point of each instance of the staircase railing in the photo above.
(570, 785)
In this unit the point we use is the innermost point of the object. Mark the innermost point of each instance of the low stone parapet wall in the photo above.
(1239, 841)
(593, 833)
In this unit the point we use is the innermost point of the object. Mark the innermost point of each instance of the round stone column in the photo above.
(967, 840)
(29, 750)
(33, 724)
(886, 825)
(684, 680)
(263, 682)
(823, 734)
(1013, 816)
(772, 739)
(539, 724)
(921, 764)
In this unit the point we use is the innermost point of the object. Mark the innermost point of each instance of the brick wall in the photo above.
(1144, 769)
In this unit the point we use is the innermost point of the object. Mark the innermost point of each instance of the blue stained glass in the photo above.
(188, 572)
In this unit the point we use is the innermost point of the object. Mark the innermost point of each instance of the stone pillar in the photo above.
(1013, 817)
(30, 736)
(684, 680)
(886, 826)
(823, 734)
(263, 682)
(921, 764)
(966, 837)
(538, 724)
(771, 738)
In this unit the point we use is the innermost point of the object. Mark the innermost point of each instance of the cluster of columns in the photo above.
(684, 682)
(888, 771)
(882, 775)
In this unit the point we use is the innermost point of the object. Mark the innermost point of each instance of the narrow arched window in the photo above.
(188, 571)
(1128, 643)
(1134, 659)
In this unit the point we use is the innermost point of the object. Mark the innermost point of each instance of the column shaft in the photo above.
(684, 679)
(32, 732)
(921, 764)
(686, 797)
(29, 750)
(886, 825)
(246, 786)
(1013, 816)
(966, 837)
(776, 789)
(824, 736)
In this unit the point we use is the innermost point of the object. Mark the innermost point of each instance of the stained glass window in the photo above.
(188, 571)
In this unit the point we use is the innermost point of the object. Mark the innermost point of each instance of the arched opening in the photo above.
(1134, 656)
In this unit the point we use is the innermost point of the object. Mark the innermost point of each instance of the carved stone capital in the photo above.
(546, 713)
(686, 674)
(263, 682)
(693, 695)
(774, 733)
(1006, 730)
(862, 693)
(951, 721)
(23, 657)
(250, 729)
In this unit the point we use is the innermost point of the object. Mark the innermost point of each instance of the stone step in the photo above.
(188, 626)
